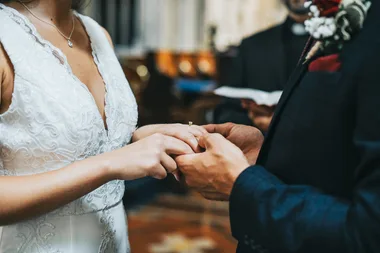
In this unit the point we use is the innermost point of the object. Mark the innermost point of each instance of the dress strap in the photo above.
(25, 46)
(15, 37)
(99, 41)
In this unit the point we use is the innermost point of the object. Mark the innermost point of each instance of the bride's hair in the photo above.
(77, 4)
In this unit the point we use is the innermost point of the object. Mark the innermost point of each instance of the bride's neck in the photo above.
(56, 11)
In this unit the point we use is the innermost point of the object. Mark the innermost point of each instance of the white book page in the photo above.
(259, 96)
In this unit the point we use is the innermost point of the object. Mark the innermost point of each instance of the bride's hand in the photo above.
(150, 156)
(182, 132)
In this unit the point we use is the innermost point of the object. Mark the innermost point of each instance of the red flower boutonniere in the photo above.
(333, 22)
(327, 8)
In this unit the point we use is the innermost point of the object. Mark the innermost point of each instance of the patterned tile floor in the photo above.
(181, 224)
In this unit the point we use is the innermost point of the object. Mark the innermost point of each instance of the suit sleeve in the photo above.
(296, 218)
(230, 110)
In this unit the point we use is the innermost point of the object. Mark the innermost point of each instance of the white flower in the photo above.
(338, 27)
(333, 27)
(314, 11)
(329, 21)
(321, 27)
(313, 8)
(308, 4)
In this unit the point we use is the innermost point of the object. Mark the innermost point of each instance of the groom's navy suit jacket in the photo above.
(316, 186)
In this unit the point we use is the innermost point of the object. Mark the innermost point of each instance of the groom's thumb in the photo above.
(208, 141)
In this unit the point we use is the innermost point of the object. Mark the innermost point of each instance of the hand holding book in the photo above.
(258, 96)
(260, 105)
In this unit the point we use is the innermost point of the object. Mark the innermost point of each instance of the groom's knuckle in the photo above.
(185, 163)
(229, 124)
(179, 161)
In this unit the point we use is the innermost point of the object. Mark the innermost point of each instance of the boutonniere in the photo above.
(334, 22)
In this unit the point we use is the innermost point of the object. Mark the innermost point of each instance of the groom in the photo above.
(314, 184)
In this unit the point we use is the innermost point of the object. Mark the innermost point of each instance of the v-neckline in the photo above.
(67, 66)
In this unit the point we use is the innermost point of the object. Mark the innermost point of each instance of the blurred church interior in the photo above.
(174, 53)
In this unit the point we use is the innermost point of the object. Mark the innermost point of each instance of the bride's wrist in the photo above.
(106, 167)
(136, 134)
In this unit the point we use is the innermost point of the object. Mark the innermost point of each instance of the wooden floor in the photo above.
(181, 224)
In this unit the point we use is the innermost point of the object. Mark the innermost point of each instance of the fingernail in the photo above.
(176, 176)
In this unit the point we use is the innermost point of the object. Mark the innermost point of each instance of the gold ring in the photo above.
(190, 123)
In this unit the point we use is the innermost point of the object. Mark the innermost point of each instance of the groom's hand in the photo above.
(213, 172)
(248, 139)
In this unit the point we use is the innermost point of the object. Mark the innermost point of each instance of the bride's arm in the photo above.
(1, 74)
(24, 197)
(5, 69)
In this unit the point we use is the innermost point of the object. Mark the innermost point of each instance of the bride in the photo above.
(67, 115)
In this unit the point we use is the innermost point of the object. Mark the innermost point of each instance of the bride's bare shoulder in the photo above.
(2, 67)
(6, 73)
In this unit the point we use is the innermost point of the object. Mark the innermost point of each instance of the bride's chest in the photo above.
(52, 110)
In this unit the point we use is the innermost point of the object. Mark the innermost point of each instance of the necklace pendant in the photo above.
(70, 43)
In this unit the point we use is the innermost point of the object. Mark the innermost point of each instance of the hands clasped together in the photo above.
(208, 159)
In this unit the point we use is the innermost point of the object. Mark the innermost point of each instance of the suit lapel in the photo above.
(293, 82)
(289, 88)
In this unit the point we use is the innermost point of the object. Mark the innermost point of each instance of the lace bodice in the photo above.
(53, 119)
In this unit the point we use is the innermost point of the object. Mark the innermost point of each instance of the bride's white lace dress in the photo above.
(53, 121)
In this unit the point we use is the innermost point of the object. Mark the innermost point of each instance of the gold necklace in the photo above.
(68, 38)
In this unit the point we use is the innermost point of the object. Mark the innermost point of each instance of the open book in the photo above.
(259, 96)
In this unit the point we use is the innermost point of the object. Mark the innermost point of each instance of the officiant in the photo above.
(264, 62)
